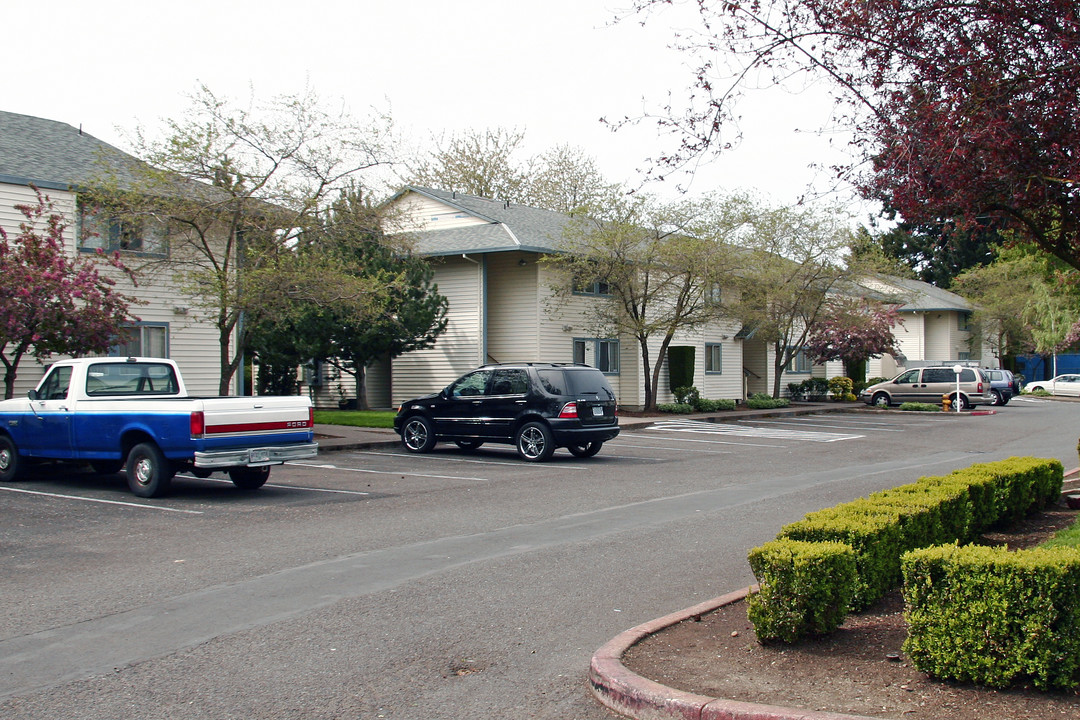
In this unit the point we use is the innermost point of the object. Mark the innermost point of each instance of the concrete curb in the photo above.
(627, 693)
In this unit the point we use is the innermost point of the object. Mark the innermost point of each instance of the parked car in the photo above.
(928, 385)
(1003, 384)
(537, 407)
(1061, 385)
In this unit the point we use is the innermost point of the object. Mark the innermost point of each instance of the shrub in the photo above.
(762, 401)
(677, 408)
(840, 386)
(704, 405)
(919, 407)
(816, 388)
(797, 391)
(804, 588)
(686, 395)
(994, 617)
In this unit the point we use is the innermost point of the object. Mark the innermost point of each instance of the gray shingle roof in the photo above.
(53, 154)
(919, 296)
(510, 226)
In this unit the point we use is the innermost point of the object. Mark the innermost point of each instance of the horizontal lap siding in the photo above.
(514, 314)
(457, 350)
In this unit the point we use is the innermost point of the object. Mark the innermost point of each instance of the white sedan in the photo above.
(1061, 385)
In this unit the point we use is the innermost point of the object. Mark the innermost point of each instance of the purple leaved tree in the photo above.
(50, 302)
(853, 330)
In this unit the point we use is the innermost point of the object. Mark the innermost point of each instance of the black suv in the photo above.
(537, 407)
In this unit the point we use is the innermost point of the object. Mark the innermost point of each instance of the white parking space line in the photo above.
(399, 473)
(633, 446)
(284, 487)
(104, 502)
(804, 423)
(746, 431)
(510, 462)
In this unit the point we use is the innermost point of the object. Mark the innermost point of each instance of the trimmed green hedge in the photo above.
(804, 588)
(934, 510)
(994, 617)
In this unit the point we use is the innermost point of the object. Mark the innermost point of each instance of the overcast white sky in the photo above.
(551, 68)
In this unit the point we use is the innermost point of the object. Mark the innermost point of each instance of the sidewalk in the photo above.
(332, 438)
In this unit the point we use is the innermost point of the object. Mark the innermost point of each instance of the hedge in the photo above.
(994, 617)
(879, 529)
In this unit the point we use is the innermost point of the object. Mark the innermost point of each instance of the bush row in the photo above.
(994, 617)
(879, 529)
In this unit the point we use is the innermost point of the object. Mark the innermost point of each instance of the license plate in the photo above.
(597, 411)
(261, 455)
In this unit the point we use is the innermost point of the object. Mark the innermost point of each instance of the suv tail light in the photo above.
(569, 411)
(980, 390)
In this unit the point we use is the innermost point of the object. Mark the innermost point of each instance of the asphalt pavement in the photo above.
(613, 684)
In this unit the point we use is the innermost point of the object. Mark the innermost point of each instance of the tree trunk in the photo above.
(650, 390)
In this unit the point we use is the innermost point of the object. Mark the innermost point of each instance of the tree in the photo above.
(1025, 301)
(563, 179)
(475, 163)
(234, 187)
(938, 253)
(791, 266)
(49, 302)
(347, 295)
(853, 330)
(660, 267)
(960, 110)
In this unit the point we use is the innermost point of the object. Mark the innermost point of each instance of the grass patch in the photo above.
(356, 418)
(1069, 537)
(920, 407)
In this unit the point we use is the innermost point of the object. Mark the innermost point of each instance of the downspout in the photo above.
(481, 305)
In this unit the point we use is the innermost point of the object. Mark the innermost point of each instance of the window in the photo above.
(56, 384)
(799, 363)
(600, 354)
(124, 378)
(143, 340)
(713, 294)
(597, 287)
(510, 382)
(472, 384)
(99, 232)
(963, 321)
(713, 358)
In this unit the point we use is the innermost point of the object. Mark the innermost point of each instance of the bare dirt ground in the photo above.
(849, 671)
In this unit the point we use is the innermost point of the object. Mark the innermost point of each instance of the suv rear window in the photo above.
(588, 382)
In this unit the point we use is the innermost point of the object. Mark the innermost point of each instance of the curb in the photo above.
(629, 694)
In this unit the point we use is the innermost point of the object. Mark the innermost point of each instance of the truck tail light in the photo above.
(311, 417)
(198, 424)
(569, 411)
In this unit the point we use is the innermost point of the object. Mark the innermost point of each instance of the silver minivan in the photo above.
(928, 385)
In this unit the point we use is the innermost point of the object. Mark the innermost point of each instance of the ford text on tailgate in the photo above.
(135, 415)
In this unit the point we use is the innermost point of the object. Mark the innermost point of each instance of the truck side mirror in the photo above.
(33, 395)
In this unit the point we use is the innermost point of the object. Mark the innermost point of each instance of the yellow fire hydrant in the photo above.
(946, 403)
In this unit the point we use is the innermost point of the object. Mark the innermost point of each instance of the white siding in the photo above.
(419, 212)
(515, 314)
(457, 350)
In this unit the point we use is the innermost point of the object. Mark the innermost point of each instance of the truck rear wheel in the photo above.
(149, 472)
(249, 478)
(11, 465)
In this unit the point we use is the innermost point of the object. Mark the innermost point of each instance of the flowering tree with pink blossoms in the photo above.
(853, 330)
(51, 302)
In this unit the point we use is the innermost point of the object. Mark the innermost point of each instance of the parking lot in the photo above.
(377, 582)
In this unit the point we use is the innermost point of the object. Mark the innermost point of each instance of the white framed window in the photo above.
(98, 231)
(799, 363)
(143, 340)
(597, 287)
(714, 356)
(600, 353)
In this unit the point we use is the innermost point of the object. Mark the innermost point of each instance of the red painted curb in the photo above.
(627, 693)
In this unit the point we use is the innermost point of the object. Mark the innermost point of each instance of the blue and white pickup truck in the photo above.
(135, 414)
